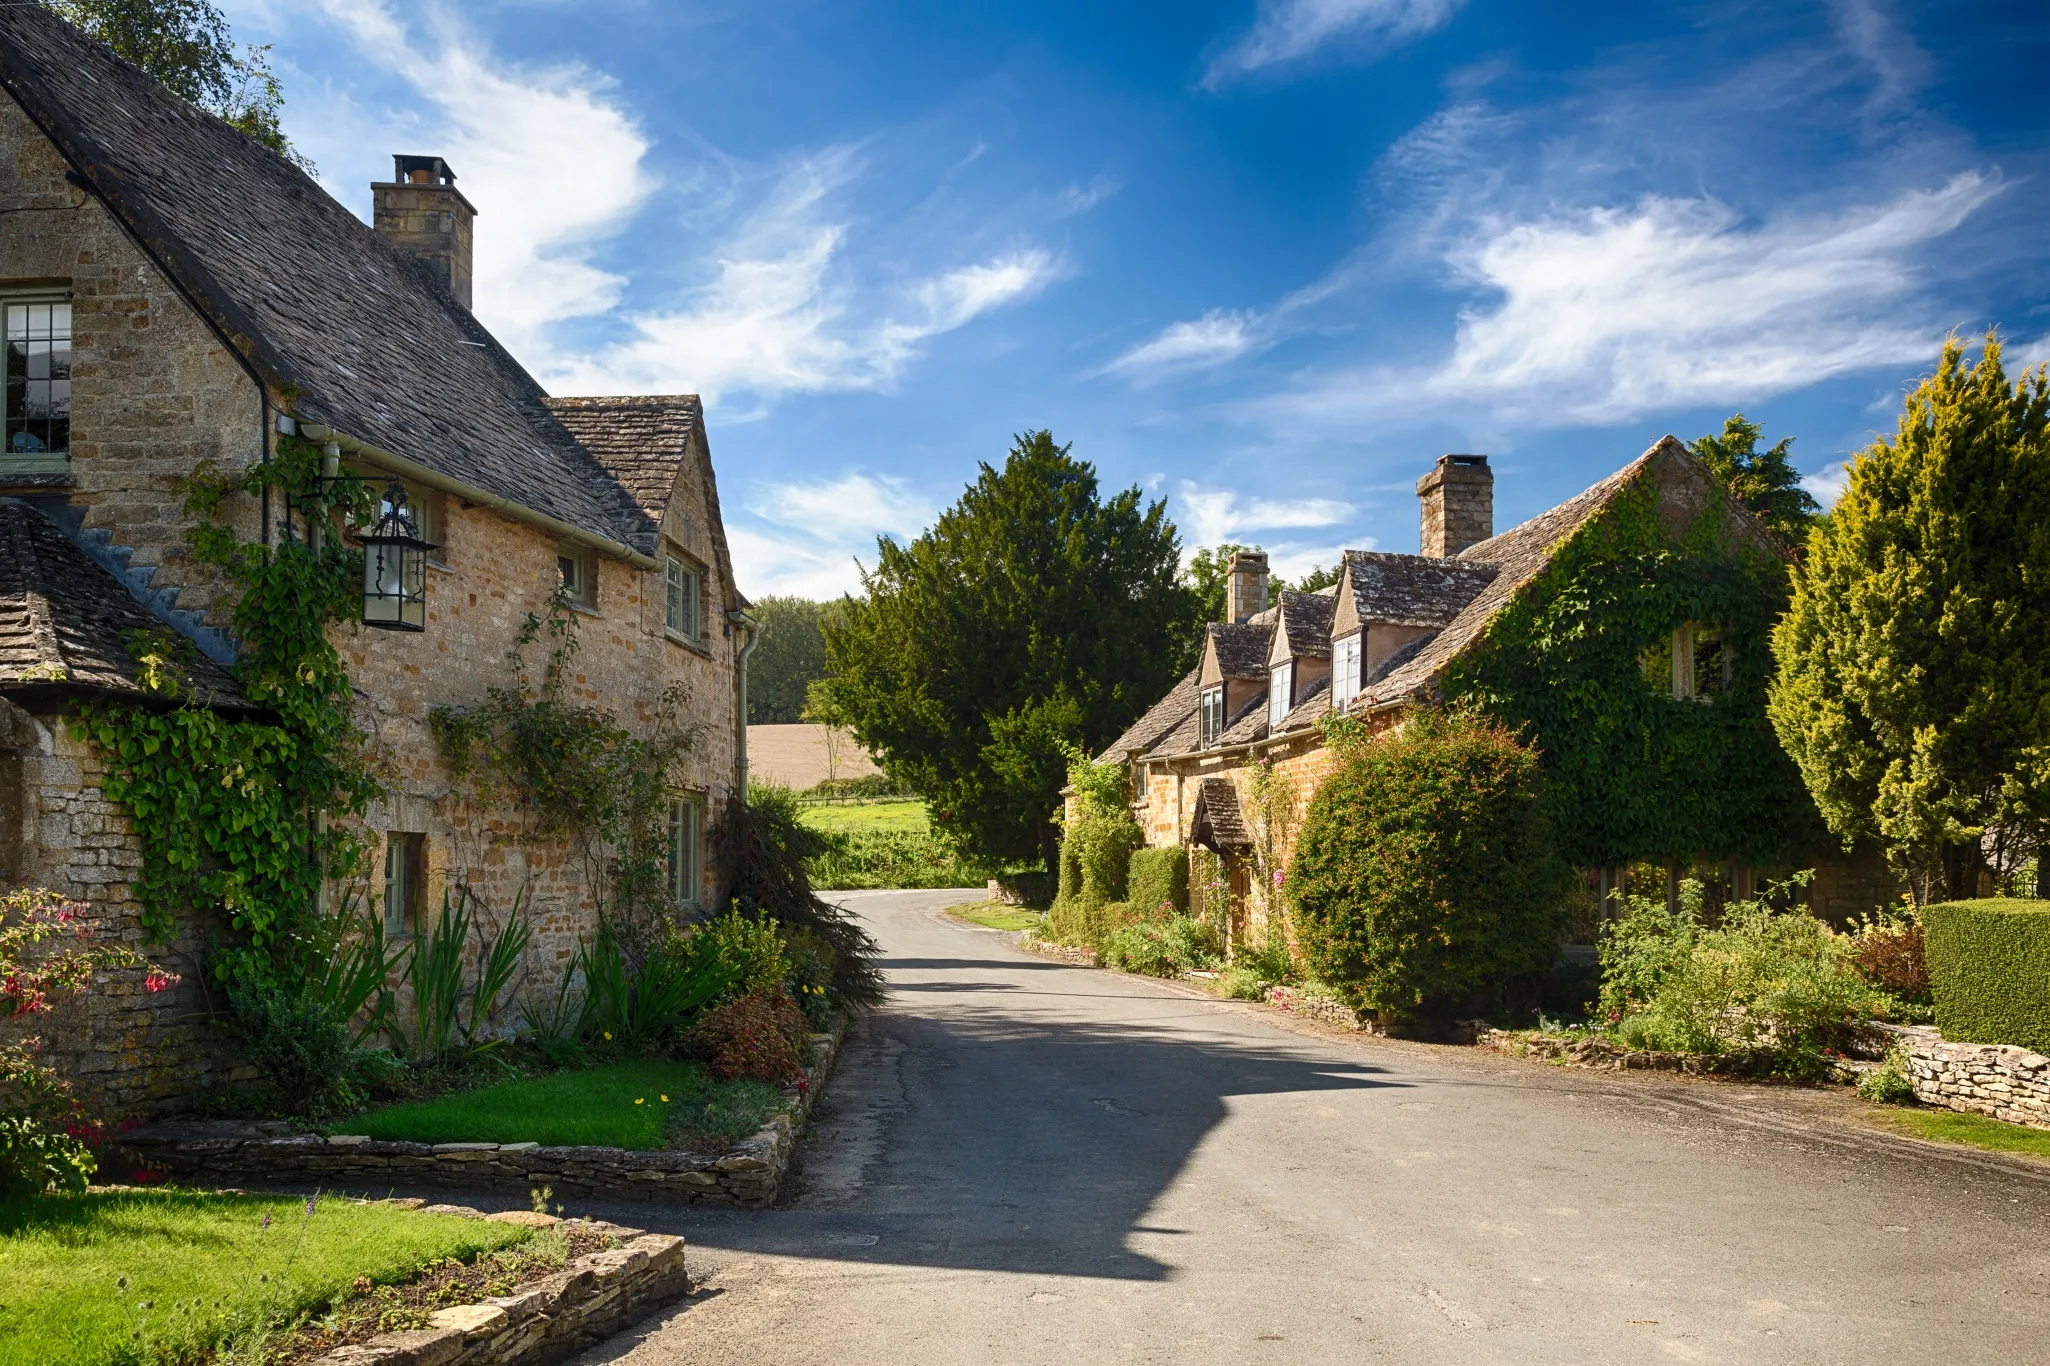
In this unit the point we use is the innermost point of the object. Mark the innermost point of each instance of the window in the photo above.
(38, 424)
(1280, 693)
(1711, 661)
(680, 609)
(1694, 663)
(405, 869)
(1345, 670)
(683, 852)
(579, 570)
(1211, 710)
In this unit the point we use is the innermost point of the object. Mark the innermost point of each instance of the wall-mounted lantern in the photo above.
(395, 567)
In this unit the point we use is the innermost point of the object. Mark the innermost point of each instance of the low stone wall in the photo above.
(1599, 1052)
(590, 1299)
(1997, 1080)
(232, 1153)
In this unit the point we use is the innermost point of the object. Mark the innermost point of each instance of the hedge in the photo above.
(1989, 970)
(1157, 877)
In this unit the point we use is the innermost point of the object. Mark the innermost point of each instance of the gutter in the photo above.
(738, 616)
(469, 493)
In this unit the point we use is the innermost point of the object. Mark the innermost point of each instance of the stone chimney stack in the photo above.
(1246, 585)
(422, 213)
(1458, 498)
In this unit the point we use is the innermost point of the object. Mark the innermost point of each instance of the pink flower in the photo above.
(159, 980)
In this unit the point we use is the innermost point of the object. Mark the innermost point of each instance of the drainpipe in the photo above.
(752, 629)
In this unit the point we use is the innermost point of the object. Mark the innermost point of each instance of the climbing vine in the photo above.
(1634, 772)
(241, 814)
(581, 775)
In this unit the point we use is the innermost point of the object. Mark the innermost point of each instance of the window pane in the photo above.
(38, 415)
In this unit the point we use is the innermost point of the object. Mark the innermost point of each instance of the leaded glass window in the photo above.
(38, 424)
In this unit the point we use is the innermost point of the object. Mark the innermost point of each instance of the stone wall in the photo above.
(2000, 1081)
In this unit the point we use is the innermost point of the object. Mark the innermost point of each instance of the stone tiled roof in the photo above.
(68, 625)
(1161, 718)
(312, 298)
(1218, 822)
(1242, 646)
(1306, 617)
(1248, 725)
(1305, 713)
(1413, 590)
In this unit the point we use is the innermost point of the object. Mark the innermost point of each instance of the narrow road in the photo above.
(1019, 1161)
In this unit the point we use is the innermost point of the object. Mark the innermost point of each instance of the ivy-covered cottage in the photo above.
(1624, 632)
(222, 387)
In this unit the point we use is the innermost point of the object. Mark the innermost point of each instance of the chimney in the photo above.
(1246, 585)
(1458, 498)
(422, 213)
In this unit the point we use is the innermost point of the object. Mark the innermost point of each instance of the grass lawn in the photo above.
(1977, 1131)
(995, 915)
(844, 818)
(199, 1267)
(618, 1105)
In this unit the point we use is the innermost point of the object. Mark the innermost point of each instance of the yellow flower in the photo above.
(608, 1036)
(665, 1100)
(640, 1100)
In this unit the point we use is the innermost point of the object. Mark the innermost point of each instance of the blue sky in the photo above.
(1266, 258)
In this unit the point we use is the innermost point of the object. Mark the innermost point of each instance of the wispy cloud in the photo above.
(1208, 516)
(809, 538)
(1213, 339)
(1290, 30)
(1867, 29)
(1827, 484)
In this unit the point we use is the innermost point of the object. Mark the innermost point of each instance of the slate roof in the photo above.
(1307, 619)
(66, 624)
(1248, 724)
(1305, 713)
(1160, 719)
(1242, 646)
(311, 297)
(1413, 590)
(1218, 821)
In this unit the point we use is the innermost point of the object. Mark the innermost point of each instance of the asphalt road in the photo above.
(1018, 1161)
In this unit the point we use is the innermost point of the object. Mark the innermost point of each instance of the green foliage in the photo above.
(301, 1048)
(1158, 878)
(35, 1158)
(893, 858)
(1428, 872)
(185, 45)
(1095, 852)
(1912, 664)
(1241, 983)
(788, 658)
(1764, 481)
(1989, 970)
(1162, 947)
(249, 817)
(1889, 1083)
(766, 851)
(1320, 576)
(1209, 578)
(454, 1017)
(593, 1106)
(1033, 617)
(1634, 772)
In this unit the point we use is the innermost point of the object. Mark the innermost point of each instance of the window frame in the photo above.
(685, 854)
(405, 877)
(1210, 714)
(1345, 669)
(584, 594)
(689, 593)
(1280, 693)
(46, 461)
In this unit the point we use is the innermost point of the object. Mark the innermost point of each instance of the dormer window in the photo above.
(38, 422)
(1210, 715)
(1280, 693)
(1345, 670)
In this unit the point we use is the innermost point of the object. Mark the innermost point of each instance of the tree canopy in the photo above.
(1914, 663)
(792, 654)
(1764, 481)
(1034, 617)
(186, 47)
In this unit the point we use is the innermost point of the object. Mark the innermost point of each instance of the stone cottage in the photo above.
(173, 293)
(1227, 761)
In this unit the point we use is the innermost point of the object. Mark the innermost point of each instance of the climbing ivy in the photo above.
(244, 814)
(1634, 772)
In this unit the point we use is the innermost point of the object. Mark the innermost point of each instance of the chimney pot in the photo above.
(422, 213)
(1457, 501)
(1246, 585)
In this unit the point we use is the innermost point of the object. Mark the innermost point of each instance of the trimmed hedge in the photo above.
(1157, 877)
(1989, 969)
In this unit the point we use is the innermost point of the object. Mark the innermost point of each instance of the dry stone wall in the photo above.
(2000, 1081)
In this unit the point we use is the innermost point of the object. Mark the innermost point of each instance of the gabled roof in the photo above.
(1238, 649)
(308, 295)
(67, 625)
(1218, 823)
(1303, 627)
(1247, 724)
(1407, 590)
(1162, 717)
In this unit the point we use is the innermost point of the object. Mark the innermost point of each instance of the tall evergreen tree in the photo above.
(1035, 616)
(1914, 684)
(1764, 481)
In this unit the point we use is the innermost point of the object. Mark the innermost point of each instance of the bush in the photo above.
(1165, 948)
(761, 1036)
(1095, 858)
(1889, 1083)
(891, 858)
(1242, 984)
(1427, 874)
(1989, 970)
(1890, 953)
(766, 851)
(1157, 878)
(35, 1158)
(305, 1054)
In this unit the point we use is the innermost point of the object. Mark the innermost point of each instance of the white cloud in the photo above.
(1868, 30)
(1213, 339)
(1210, 516)
(1289, 30)
(806, 538)
(2027, 355)
(1827, 484)
(1076, 198)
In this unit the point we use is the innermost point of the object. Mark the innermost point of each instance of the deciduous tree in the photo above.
(792, 653)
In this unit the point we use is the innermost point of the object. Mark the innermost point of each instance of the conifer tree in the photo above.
(1764, 481)
(1914, 683)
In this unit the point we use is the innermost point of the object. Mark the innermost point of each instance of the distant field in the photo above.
(851, 818)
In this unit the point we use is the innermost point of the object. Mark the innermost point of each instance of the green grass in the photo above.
(617, 1105)
(995, 915)
(203, 1264)
(1977, 1131)
(840, 818)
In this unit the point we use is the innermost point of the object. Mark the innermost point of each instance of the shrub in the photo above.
(1242, 984)
(1157, 878)
(766, 850)
(1166, 948)
(305, 1053)
(761, 1036)
(1890, 953)
(1096, 851)
(891, 858)
(1427, 872)
(1889, 1083)
(1989, 970)
(1271, 960)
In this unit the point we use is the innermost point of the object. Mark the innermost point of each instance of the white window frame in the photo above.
(1280, 693)
(1210, 715)
(685, 862)
(683, 589)
(584, 591)
(1345, 670)
(45, 461)
(405, 876)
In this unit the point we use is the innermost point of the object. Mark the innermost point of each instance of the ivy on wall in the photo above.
(1636, 773)
(245, 815)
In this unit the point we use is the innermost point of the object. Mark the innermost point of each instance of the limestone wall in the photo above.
(1997, 1080)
